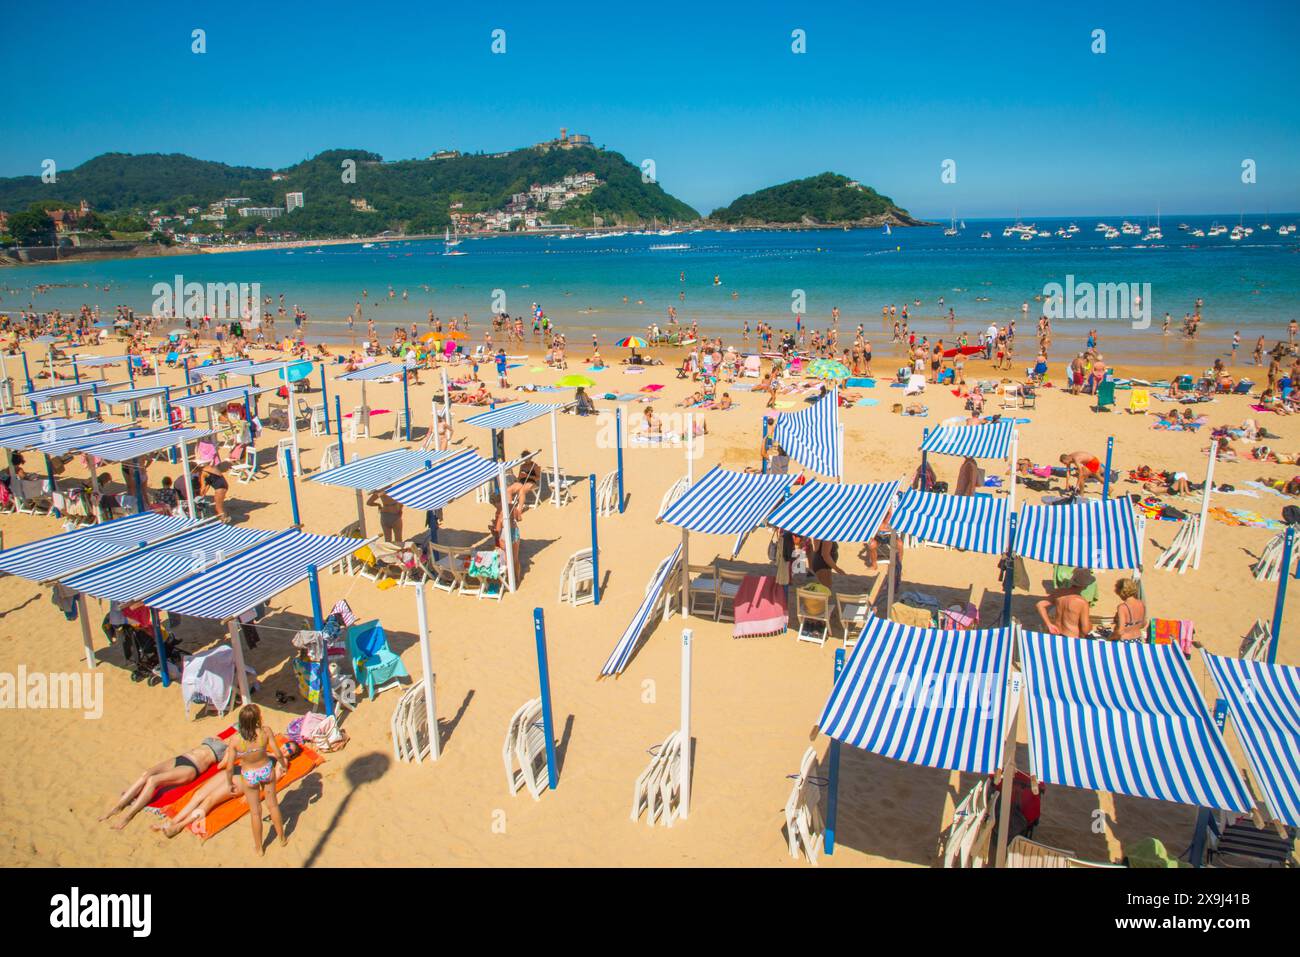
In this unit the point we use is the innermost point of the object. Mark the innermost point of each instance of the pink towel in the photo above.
(760, 607)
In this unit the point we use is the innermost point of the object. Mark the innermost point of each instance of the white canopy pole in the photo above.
(85, 630)
(686, 572)
(241, 675)
(293, 419)
(361, 506)
(4, 377)
(893, 563)
(555, 453)
(1008, 772)
(507, 525)
(1015, 452)
(684, 804)
(839, 456)
(426, 661)
(189, 480)
(446, 396)
(690, 448)
(1205, 502)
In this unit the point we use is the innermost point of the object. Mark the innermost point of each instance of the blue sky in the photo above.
(1012, 92)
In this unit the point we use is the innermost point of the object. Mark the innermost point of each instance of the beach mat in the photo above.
(224, 815)
(181, 792)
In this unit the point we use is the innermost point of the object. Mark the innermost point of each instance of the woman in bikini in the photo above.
(181, 769)
(215, 484)
(257, 772)
(1130, 613)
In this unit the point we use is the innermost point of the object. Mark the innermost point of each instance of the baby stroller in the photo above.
(140, 648)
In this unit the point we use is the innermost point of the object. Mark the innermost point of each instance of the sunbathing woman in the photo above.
(181, 769)
(529, 478)
(257, 770)
(209, 795)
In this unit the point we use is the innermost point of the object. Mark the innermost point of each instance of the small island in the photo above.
(828, 199)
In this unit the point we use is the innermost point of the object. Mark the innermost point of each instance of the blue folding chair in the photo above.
(373, 662)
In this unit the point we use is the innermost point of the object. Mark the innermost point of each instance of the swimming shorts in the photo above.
(1093, 465)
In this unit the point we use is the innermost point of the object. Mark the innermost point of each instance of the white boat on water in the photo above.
(1111, 233)
(986, 235)
(449, 244)
(888, 231)
(670, 246)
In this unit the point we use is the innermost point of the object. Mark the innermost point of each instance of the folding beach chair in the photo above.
(373, 663)
(853, 610)
(607, 494)
(1105, 395)
(1254, 647)
(577, 578)
(803, 818)
(967, 819)
(1138, 401)
(647, 787)
(702, 590)
(729, 581)
(813, 611)
(530, 750)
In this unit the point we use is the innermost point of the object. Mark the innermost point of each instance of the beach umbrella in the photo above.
(455, 334)
(575, 381)
(299, 370)
(631, 342)
(432, 337)
(828, 369)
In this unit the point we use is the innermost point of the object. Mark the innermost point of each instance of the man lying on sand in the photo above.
(181, 769)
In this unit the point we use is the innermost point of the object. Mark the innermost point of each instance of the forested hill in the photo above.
(826, 199)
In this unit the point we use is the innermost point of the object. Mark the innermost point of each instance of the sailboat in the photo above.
(888, 232)
(952, 230)
(449, 244)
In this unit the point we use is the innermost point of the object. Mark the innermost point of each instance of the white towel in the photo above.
(209, 676)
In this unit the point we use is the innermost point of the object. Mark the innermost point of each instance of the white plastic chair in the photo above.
(577, 578)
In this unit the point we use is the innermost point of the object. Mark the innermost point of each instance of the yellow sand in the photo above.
(755, 701)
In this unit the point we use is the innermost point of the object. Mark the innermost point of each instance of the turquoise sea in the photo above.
(615, 285)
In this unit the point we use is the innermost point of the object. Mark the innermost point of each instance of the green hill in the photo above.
(410, 196)
(826, 199)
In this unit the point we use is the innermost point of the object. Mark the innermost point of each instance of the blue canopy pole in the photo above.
(833, 776)
(595, 545)
(762, 457)
(1280, 603)
(248, 411)
(130, 368)
(925, 461)
(27, 374)
(293, 486)
(1010, 580)
(162, 647)
(618, 439)
(1105, 479)
(76, 375)
(1197, 853)
(338, 416)
(139, 487)
(318, 622)
(49, 474)
(431, 517)
(167, 418)
(544, 678)
(406, 402)
(325, 399)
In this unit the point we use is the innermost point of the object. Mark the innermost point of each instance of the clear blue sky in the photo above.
(712, 92)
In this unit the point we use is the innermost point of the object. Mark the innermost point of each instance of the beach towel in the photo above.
(862, 403)
(1171, 631)
(860, 383)
(760, 607)
(224, 815)
(178, 794)
(209, 676)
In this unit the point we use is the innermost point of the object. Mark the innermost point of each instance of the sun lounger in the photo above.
(675, 491)
(577, 578)
(803, 818)
(528, 767)
(410, 725)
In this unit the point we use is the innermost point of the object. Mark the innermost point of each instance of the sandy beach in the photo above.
(755, 701)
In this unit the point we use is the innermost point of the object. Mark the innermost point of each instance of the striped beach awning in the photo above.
(237, 584)
(924, 696)
(812, 436)
(30, 425)
(977, 523)
(138, 395)
(1124, 717)
(1100, 534)
(86, 443)
(94, 362)
(58, 439)
(381, 470)
(989, 441)
(132, 447)
(140, 573)
(631, 637)
(1264, 701)
(46, 340)
(213, 370)
(68, 390)
(833, 512)
(266, 367)
(727, 503)
(16, 418)
(447, 481)
(206, 400)
(50, 558)
(516, 413)
(380, 370)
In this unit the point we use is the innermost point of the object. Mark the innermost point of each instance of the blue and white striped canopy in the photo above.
(977, 523)
(1124, 717)
(833, 512)
(49, 558)
(214, 369)
(381, 470)
(989, 441)
(140, 573)
(94, 362)
(727, 503)
(924, 696)
(205, 400)
(30, 424)
(50, 441)
(1101, 534)
(516, 413)
(447, 481)
(631, 638)
(46, 340)
(1265, 703)
(232, 587)
(132, 447)
(68, 390)
(16, 418)
(62, 445)
(380, 370)
(812, 436)
(137, 395)
(269, 367)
